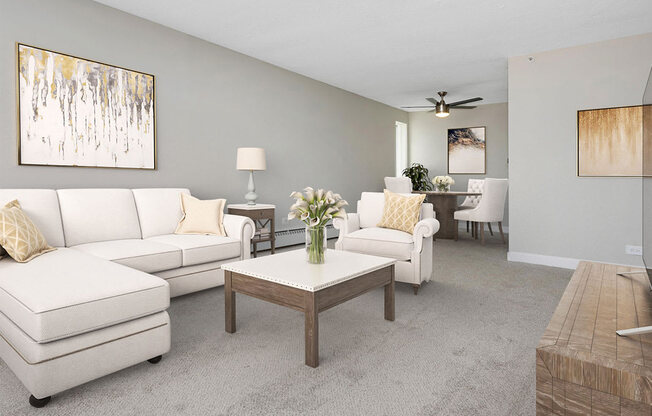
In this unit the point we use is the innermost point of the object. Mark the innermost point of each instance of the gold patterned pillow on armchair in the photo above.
(401, 212)
(19, 236)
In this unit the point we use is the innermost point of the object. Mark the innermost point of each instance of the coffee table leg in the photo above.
(389, 298)
(312, 331)
(229, 304)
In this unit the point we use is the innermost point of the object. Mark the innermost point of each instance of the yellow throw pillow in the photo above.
(201, 217)
(19, 236)
(401, 212)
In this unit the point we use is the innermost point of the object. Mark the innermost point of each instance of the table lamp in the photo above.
(251, 159)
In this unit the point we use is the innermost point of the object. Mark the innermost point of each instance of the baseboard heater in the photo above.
(294, 236)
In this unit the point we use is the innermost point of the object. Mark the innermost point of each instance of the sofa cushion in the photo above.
(382, 242)
(68, 292)
(42, 207)
(370, 208)
(198, 249)
(34, 353)
(91, 215)
(159, 209)
(143, 255)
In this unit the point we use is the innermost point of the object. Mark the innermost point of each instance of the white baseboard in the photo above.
(553, 261)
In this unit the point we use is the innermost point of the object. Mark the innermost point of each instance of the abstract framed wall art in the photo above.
(77, 112)
(610, 141)
(467, 151)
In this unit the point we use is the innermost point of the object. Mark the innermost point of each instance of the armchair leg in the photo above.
(490, 230)
(481, 232)
(500, 227)
(467, 226)
(416, 287)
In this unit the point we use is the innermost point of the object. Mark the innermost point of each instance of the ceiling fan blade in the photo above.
(418, 106)
(464, 107)
(432, 100)
(470, 100)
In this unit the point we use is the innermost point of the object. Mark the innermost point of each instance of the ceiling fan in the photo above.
(442, 108)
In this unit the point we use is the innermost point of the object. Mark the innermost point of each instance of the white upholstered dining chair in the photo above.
(491, 207)
(398, 185)
(471, 201)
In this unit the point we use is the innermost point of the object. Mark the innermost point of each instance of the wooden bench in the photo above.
(582, 365)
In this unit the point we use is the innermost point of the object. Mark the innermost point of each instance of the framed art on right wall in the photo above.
(467, 151)
(610, 141)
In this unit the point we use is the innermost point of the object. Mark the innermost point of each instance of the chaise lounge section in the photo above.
(98, 303)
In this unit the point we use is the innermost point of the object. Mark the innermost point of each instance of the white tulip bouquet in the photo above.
(315, 209)
(443, 183)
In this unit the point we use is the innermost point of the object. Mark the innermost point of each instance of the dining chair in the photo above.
(491, 208)
(398, 185)
(471, 201)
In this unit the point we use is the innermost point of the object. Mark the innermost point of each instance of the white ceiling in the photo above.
(399, 51)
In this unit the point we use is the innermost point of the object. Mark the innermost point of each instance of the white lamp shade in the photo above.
(251, 158)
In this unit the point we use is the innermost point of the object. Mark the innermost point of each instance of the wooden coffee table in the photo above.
(287, 279)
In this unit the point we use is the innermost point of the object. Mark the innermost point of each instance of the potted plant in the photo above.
(418, 174)
(315, 209)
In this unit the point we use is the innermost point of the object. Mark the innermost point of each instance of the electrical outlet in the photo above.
(634, 250)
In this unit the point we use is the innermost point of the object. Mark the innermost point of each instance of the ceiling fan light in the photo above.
(441, 110)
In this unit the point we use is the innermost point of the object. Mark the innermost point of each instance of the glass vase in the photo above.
(316, 244)
(443, 188)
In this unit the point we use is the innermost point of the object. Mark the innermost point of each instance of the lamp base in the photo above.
(251, 195)
(251, 198)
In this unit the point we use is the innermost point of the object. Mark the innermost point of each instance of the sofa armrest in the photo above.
(241, 228)
(424, 229)
(345, 226)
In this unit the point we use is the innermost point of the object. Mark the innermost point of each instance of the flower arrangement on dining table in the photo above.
(443, 183)
(316, 209)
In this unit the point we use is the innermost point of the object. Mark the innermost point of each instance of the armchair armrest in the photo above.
(241, 228)
(345, 226)
(425, 228)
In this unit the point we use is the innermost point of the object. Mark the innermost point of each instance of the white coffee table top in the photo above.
(291, 268)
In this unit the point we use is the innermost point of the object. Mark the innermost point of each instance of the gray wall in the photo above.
(210, 100)
(428, 141)
(552, 211)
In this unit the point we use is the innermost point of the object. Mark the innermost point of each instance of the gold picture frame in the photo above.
(610, 142)
(116, 104)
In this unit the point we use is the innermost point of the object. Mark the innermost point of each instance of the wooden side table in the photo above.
(263, 218)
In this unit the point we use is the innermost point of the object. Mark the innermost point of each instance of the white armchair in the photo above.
(359, 233)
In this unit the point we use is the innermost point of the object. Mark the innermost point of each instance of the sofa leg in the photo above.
(155, 360)
(39, 402)
(416, 289)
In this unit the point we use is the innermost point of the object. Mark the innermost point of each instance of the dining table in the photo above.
(444, 204)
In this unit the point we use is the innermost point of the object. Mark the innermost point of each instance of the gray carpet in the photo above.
(463, 346)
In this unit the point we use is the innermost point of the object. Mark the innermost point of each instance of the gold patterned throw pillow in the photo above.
(401, 212)
(19, 236)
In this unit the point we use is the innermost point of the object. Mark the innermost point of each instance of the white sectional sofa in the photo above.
(98, 303)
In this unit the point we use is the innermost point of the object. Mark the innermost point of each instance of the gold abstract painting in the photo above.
(77, 112)
(610, 142)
